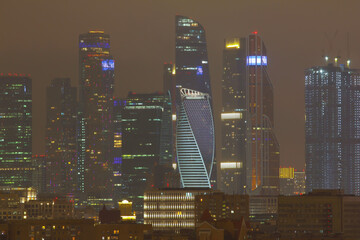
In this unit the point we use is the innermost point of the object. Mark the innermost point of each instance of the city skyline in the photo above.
(57, 58)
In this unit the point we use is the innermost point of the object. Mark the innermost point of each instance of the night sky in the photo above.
(40, 37)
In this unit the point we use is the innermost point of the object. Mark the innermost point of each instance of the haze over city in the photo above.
(41, 38)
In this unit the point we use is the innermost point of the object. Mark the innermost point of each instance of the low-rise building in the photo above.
(172, 209)
(222, 206)
(321, 213)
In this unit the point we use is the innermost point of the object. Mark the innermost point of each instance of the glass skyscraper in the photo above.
(193, 81)
(262, 148)
(332, 128)
(95, 137)
(61, 122)
(146, 145)
(16, 130)
(233, 121)
(250, 156)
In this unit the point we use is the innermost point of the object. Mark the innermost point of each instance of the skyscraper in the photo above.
(61, 122)
(146, 156)
(95, 114)
(262, 152)
(233, 121)
(332, 128)
(15, 130)
(250, 151)
(193, 81)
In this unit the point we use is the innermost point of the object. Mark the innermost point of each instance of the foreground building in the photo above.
(332, 128)
(172, 210)
(222, 206)
(321, 213)
(72, 229)
(16, 130)
(193, 96)
(95, 138)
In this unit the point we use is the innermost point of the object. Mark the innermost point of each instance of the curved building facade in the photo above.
(195, 141)
(193, 105)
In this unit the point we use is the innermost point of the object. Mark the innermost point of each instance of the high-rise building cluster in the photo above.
(101, 149)
(153, 154)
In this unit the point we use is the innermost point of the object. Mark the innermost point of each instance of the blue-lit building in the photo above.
(193, 78)
(332, 128)
(95, 137)
(16, 130)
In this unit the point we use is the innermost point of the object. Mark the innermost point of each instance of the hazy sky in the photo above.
(40, 37)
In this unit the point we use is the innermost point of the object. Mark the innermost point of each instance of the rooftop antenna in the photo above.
(348, 61)
(330, 41)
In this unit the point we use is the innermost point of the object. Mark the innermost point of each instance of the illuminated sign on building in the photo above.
(108, 64)
(199, 70)
(256, 60)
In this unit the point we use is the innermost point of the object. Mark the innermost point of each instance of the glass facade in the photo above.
(250, 152)
(146, 146)
(95, 137)
(332, 128)
(195, 139)
(262, 148)
(192, 72)
(61, 115)
(16, 130)
(233, 121)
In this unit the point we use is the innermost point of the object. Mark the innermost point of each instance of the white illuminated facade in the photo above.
(195, 139)
(171, 209)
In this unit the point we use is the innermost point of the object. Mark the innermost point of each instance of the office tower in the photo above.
(250, 151)
(16, 130)
(61, 122)
(144, 117)
(332, 128)
(194, 134)
(193, 97)
(299, 182)
(95, 115)
(263, 156)
(233, 122)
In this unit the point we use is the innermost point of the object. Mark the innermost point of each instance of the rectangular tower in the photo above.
(16, 130)
(233, 121)
(95, 115)
(61, 122)
(146, 162)
(332, 128)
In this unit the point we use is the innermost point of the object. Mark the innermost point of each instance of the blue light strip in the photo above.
(256, 60)
(94, 45)
(108, 64)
